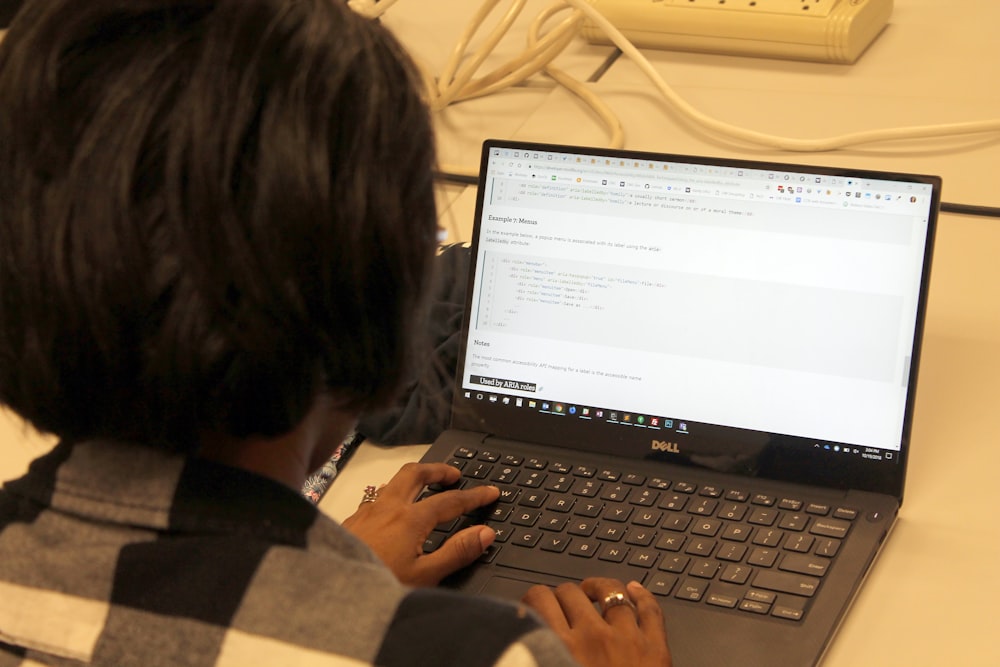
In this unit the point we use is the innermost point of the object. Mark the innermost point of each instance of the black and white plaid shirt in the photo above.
(115, 554)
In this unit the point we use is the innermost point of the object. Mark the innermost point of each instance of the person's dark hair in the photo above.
(210, 211)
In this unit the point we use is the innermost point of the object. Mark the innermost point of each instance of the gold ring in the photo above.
(371, 494)
(616, 600)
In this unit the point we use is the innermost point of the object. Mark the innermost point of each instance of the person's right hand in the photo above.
(623, 636)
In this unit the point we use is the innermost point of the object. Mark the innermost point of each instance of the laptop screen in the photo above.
(688, 305)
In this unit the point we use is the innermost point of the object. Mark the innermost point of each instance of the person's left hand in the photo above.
(395, 526)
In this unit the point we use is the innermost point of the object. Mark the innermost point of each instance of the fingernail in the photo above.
(486, 537)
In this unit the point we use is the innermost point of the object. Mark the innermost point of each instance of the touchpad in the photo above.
(507, 588)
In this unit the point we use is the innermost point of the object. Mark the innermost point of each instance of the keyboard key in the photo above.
(784, 582)
(845, 513)
(768, 537)
(763, 557)
(582, 527)
(645, 498)
(674, 563)
(732, 552)
(642, 538)
(685, 487)
(704, 568)
(608, 475)
(525, 517)
(584, 471)
(755, 607)
(478, 470)
(618, 513)
(671, 542)
(763, 516)
(533, 499)
(591, 510)
(789, 608)
(827, 547)
(559, 483)
(701, 546)
(554, 543)
(732, 512)
(816, 508)
(560, 504)
(588, 488)
(634, 479)
(703, 506)
(616, 493)
(536, 464)
(737, 495)
(646, 517)
(790, 504)
(464, 453)
(706, 527)
(830, 528)
(643, 558)
(489, 455)
(799, 543)
(662, 583)
(533, 479)
(692, 590)
(736, 574)
(674, 502)
(525, 538)
(677, 522)
(794, 521)
(611, 532)
(505, 475)
(720, 599)
(555, 523)
(613, 553)
(804, 564)
(735, 532)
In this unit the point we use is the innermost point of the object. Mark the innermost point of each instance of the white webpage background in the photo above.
(769, 316)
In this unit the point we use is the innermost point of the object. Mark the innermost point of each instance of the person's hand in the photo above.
(395, 526)
(625, 635)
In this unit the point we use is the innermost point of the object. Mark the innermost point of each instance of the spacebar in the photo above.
(566, 565)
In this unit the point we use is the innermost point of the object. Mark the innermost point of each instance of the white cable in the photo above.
(457, 83)
(761, 138)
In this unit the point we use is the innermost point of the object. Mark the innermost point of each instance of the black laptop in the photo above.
(697, 373)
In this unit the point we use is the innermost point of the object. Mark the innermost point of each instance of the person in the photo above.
(217, 227)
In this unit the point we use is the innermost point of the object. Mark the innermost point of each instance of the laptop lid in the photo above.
(753, 318)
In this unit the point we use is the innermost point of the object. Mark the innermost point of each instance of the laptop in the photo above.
(698, 373)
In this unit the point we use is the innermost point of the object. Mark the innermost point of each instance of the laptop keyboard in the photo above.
(726, 547)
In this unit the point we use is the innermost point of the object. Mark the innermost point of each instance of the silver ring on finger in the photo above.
(616, 600)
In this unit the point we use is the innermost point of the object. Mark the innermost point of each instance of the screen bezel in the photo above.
(740, 451)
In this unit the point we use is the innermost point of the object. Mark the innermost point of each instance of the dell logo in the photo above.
(664, 446)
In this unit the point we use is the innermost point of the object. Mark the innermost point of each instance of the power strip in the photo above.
(835, 31)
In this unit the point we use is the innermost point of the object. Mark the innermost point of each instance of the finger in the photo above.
(447, 505)
(598, 589)
(413, 477)
(458, 551)
(648, 612)
(577, 605)
(543, 600)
